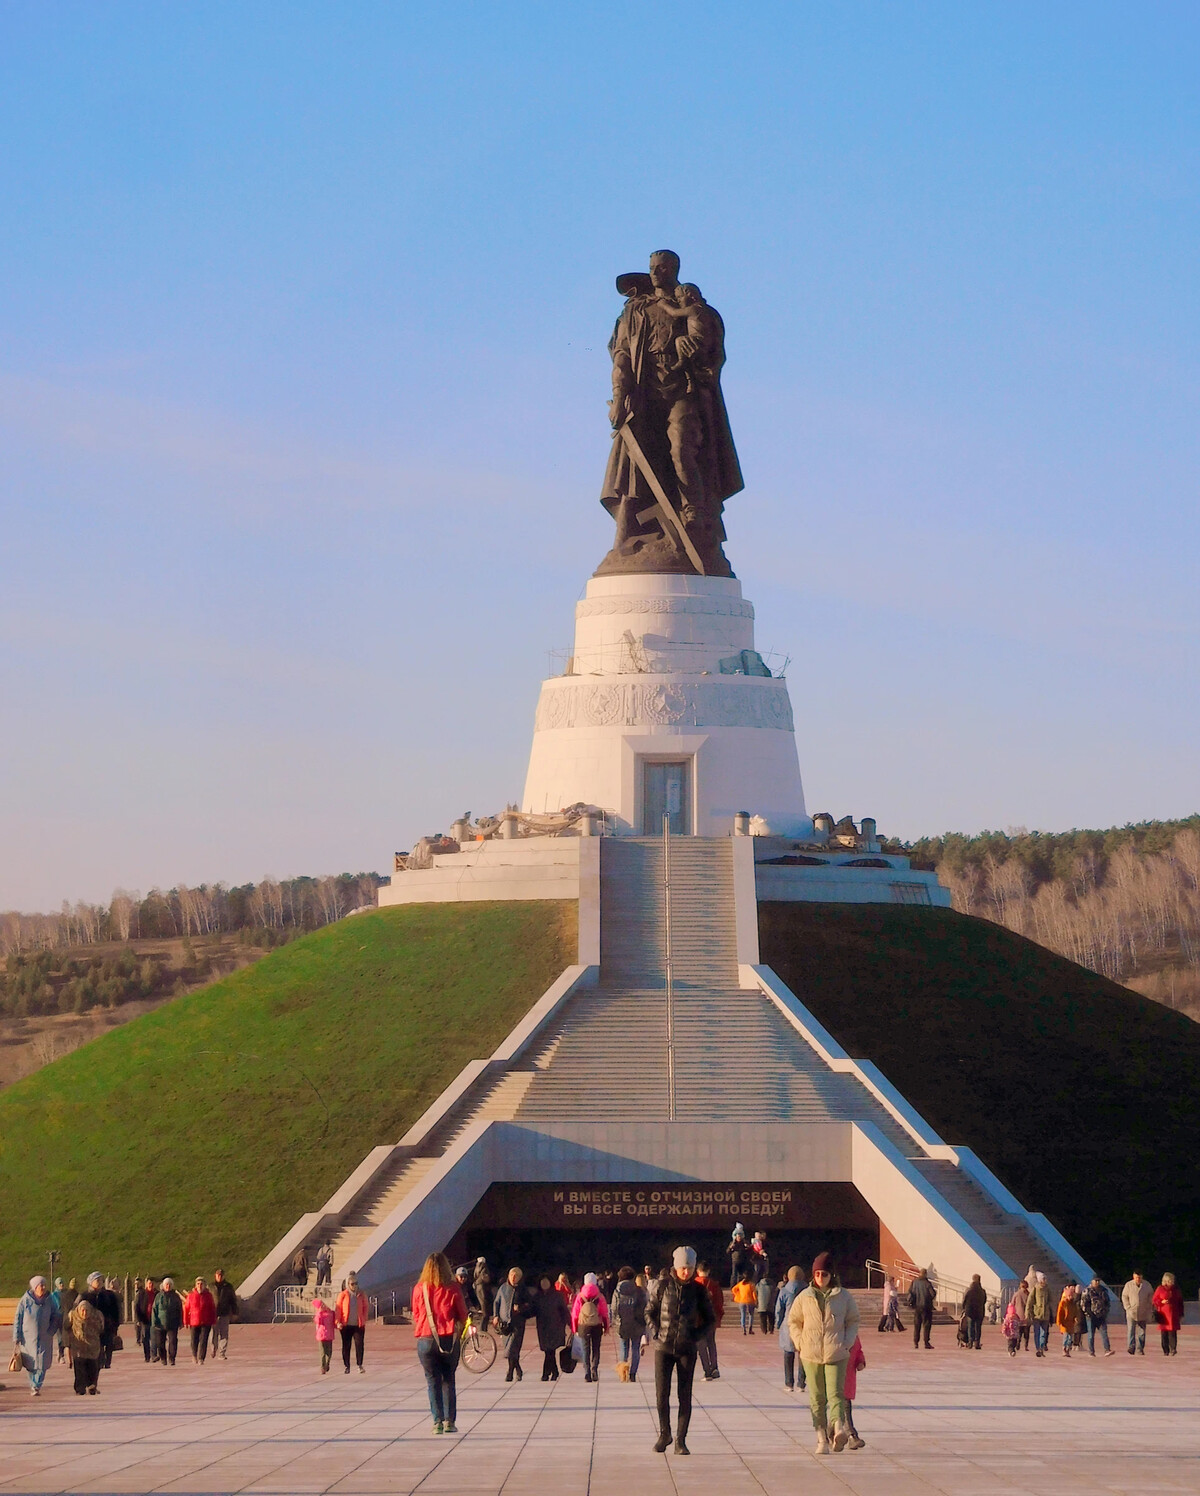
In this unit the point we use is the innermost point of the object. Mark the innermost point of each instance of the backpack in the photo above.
(589, 1314)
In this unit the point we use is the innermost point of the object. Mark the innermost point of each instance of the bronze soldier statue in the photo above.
(673, 462)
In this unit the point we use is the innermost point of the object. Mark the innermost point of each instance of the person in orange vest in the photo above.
(745, 1296)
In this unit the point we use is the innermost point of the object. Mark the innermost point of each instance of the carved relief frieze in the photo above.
(722, 607)
(753, 703)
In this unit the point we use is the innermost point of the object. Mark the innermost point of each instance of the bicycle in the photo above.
(478, 1347)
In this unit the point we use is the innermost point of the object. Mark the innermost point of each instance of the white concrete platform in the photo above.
(938, 1422)
(536, 867)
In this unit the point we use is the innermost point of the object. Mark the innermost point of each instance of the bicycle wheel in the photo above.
(478, 1351)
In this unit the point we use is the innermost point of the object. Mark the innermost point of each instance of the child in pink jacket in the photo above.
(854, 1362)
(323, 1321)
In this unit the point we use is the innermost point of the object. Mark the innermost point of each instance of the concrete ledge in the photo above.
(436, 1110)
(838, 1060)
(543, 1011)
(745, 905)
(936, 1234)
(831, 884)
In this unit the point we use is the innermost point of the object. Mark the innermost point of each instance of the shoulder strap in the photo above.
(429, 1310)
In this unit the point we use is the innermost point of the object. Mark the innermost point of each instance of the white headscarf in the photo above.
(38, 1282)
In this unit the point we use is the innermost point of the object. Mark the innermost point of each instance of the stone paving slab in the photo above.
(947, 1421)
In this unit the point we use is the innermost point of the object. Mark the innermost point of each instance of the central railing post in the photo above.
(667, 956)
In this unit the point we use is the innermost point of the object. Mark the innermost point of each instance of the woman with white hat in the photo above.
(35, 1325)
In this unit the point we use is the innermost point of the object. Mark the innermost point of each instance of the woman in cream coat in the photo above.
(823, 1323)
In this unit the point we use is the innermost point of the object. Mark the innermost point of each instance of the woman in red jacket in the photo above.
(350, 1316)
(1168, 1311)
(439, 1312)
(199, 1315)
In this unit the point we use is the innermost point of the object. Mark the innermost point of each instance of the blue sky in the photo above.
(302, 383)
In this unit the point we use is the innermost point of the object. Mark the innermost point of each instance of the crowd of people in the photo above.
(670, 1315)
(82, 1329)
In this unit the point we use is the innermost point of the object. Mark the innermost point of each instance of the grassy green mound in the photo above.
(195, 1136)
(1082, 1096)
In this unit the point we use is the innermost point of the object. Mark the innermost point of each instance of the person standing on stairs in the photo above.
(350, 1316)
(324, 1264)
(553, 1315)
(512, 1308)
(745, 1296)
(679, 1314)
(736, 1252)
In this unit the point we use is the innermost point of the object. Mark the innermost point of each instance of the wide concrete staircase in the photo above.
(1009, 1236)
(736, 1056)
(633, 913)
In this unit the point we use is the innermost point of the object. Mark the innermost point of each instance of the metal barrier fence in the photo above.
(948, 1292)
(294, 1301)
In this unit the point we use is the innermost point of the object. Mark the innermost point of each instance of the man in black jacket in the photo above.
(227, 1307)
(680, 1312)
(921, 1297)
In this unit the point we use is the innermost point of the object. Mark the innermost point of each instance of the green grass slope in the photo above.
(193, 1137)
(1083, 1097)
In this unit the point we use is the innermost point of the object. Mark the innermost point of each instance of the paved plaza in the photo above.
(972, 1424)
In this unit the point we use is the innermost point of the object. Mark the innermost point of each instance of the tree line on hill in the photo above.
(1124, 902)
(285, 906)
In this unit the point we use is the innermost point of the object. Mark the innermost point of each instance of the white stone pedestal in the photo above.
(645, 689)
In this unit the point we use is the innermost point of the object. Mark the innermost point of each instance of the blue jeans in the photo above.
(1140, 1329)
(791, 1365)
(1097, 1327)
(1041, 1334)
(631, 1351)
(747, 1318)
(439, 1369)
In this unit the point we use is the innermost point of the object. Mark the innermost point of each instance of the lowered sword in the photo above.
(672, 524)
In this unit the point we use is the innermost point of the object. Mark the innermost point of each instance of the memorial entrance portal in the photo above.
(582, 1228)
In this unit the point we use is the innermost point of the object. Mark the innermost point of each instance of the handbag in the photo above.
(577, 1347)
(118, 1344)
(566, 1361)
(18, 1364)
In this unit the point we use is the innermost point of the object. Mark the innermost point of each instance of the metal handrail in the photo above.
(667, 960)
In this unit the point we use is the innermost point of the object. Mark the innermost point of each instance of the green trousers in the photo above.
(826, 1393)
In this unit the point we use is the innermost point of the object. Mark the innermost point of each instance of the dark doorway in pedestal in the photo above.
(667, 791)
(578, 1252)
(581, 1228)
